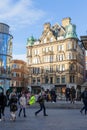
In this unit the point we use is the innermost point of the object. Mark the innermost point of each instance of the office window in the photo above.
(69, 46)
(72, 79)
(58, 79)
(63, 79)
(60, 47)
(51, 80)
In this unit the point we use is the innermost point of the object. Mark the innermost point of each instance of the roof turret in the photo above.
(70, 31)
(30, 41)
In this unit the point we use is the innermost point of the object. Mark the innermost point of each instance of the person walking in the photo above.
(41, 100)
(23, 103)
(13, 104)
(67, 94)
(3, 102)
(32, 100)
(72, 94)
(84, 98)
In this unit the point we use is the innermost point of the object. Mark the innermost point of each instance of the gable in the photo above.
(47, 37)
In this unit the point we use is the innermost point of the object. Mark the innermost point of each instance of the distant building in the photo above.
(19, 73)
(5, 56)
(57, 59)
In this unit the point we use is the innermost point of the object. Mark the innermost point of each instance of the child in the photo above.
(22, 102)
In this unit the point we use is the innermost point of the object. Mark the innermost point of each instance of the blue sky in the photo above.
(26, 18)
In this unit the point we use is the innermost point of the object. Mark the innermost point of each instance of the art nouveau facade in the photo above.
(57, 58)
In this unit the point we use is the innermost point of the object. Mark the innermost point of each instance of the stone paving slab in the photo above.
(57, 119)
(60, 105)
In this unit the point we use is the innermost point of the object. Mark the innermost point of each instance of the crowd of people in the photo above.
(18, 102)
(13, 102)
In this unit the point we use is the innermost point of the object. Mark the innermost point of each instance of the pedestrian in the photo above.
(13, 105)
(41, 100)
(67, 94)
(84, 98)
(23, 103)
(32, 100)
(3, 103)
(53, 95)
(72, 94)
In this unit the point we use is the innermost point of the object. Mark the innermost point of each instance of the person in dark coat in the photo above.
(72, 94)
(67, 94)
(13, 104)
(53, 95)
(84, 98)
(3, 102)
(41, 100)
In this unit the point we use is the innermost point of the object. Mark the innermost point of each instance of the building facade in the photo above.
(19, 73)
(56, 59)
(5, 56)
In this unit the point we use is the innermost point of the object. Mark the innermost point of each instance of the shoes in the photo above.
(12, 119)
(80, 111)
(35, 114)
(24, 115)
(3, 118)
(18, 115)
(45, 115)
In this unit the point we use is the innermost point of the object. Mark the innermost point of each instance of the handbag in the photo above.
(14, 107)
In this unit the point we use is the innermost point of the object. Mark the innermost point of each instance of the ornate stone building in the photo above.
(19, 77)
(56, 59)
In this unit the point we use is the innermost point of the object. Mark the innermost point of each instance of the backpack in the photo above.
(39, 99)
(13, 107)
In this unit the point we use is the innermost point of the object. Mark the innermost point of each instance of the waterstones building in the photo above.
(57, 59)
(5, 56)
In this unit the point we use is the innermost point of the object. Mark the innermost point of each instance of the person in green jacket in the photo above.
(32, 100)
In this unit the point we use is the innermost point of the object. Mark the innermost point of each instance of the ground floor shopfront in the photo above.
(59, 89)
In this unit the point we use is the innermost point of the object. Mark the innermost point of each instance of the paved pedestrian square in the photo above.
(57, 119)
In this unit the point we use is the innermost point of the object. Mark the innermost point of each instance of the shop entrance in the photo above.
(60, 91)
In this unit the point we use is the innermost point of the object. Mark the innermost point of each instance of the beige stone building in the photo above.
(19, 77)
(56, 59)
(84, 85)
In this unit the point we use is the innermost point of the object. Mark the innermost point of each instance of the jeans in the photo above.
(42, 107)
(21, 111)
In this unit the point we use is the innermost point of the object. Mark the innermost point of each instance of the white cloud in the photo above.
(19, 12)
(20, 57)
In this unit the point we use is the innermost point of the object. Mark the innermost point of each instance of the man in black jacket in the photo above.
(41, 100)
(84, 97)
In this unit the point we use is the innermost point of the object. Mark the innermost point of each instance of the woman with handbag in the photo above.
(13, 105)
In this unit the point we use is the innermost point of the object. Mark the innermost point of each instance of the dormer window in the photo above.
(51, 39)
(45, 40)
